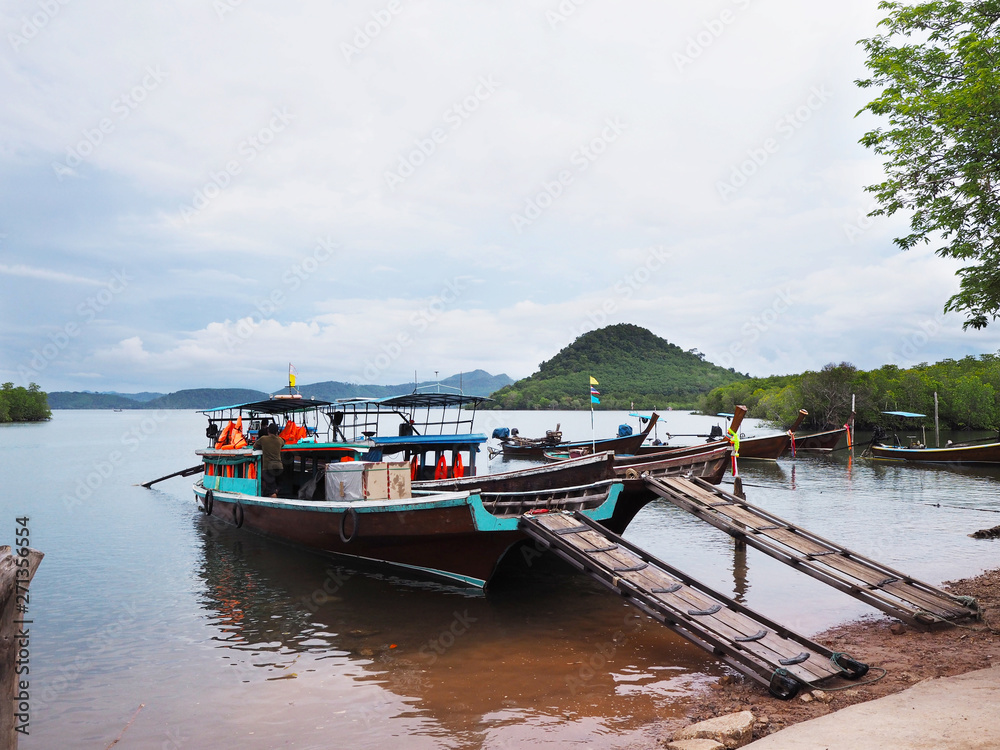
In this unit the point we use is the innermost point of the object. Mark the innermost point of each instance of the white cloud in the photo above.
(257, 122)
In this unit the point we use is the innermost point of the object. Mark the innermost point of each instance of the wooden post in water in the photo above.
(937, 429)
(14, 639)
(738, 413)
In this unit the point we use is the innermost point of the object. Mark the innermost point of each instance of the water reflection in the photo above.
(546, 646)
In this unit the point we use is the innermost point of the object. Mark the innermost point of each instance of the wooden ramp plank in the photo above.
(889, 590)
(748, 641)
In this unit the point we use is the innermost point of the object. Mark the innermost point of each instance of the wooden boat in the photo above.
(770, 447)
(983, 453)
(459, 537)
(368, 509)
(916, 452)
(818, 442)
(431, 430)
(533, 449)
(709, 463)
(692, 450)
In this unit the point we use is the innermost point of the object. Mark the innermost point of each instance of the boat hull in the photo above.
(450, 537)
(818, 442)
(988, 453)
(629, 444)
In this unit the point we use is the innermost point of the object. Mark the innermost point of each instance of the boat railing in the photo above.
(232, 470)
(577, 497)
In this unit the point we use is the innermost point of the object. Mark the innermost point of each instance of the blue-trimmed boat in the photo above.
(365, 507)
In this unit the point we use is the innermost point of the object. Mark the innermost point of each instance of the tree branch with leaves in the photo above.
(937, 67)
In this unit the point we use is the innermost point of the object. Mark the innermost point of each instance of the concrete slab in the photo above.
(949, 713)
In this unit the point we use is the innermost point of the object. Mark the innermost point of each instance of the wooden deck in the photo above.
(889, 590)
(744, 639)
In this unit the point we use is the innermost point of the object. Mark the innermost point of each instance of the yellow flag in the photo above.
(593, 380)
(292, 373)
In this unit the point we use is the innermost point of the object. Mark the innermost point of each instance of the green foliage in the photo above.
(940, 96)
(968, 394)
(632, 365)
(23, 404)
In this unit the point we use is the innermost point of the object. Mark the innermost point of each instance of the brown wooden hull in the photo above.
(630, 444)
(769, 447)
(568, 473)
(441, 543)
(819, 442)
(448, 536)
(766, 447)
(988, 453)
(710, 465)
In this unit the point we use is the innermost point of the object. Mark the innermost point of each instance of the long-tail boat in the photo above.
(710, 464)
(818, 442)
(336, 495)
(917, 452)
(516, 447)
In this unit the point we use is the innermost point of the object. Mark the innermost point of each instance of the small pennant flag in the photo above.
(594, 391)
(594, 399)
(292, 375)
(593, 380)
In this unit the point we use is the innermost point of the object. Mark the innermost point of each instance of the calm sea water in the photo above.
(227, 639)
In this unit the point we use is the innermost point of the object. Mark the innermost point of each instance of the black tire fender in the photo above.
(208, 502)
(343, 526)
(238, 514)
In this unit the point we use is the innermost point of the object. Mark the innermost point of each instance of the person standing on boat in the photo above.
(270, 444)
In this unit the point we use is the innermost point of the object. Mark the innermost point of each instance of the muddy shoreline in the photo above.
(907, 654)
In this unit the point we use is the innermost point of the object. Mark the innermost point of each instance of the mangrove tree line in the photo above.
(23, 404)
(968, 391)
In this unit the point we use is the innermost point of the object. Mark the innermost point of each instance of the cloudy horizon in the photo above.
(195, 195)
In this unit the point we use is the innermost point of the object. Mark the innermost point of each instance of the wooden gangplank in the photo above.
(889, 590)
(746, 640)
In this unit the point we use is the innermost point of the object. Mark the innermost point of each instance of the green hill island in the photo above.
(634, 368)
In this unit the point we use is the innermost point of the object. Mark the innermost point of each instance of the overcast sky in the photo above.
(198, 193)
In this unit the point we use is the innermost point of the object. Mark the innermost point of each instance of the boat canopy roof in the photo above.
(423, 413)
(274, 405)
(413, 401)
(904, 414)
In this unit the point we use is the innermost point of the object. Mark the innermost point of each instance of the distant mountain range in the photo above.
(475, 383)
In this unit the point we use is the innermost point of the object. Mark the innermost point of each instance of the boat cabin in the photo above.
(430, 430)
(232, 465)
